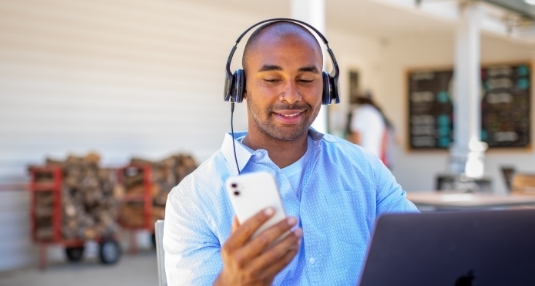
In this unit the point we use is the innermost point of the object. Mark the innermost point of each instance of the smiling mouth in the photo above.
(289, 115)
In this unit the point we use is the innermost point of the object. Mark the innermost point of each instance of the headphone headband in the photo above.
(274, 20)
(284, 20)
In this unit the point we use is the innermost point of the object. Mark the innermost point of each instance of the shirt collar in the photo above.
(314, 134)
(244, 154)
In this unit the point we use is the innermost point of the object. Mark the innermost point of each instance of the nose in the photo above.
(290, 94)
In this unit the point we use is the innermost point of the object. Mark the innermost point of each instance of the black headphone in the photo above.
(235, 82)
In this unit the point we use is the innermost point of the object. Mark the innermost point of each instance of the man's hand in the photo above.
(249, 262)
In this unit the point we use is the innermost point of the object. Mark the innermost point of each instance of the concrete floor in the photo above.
(132, 270)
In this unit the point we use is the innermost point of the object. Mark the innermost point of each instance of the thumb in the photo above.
(235, 224)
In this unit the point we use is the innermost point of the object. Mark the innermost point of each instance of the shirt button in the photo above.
(312, 260)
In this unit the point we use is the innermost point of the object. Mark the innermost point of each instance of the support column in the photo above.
(468, 152)
(313, 12)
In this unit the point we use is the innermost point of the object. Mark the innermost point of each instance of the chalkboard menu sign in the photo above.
(505, 107)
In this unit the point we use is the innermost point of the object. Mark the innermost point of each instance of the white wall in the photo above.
(123, 78)
(416, 171)
(353, 53)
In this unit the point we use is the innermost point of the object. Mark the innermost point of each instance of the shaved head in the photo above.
(277, 30)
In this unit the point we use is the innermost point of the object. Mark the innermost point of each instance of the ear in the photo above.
(244, 85)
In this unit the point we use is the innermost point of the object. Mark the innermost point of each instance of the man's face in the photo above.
(283, 86)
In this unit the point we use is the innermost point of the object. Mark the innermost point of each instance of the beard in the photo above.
(265, 122)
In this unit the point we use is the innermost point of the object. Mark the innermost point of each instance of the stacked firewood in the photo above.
(88, 206)
(164, 175)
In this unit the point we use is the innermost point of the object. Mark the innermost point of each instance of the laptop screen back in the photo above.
(453, 248)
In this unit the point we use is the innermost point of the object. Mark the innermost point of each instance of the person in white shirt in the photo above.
(368, 126)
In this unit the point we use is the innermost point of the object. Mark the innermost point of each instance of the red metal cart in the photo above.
(49, 215)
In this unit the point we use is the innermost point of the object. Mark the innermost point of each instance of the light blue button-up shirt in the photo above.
(343, 191)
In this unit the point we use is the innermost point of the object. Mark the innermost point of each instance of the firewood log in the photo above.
(88, 206)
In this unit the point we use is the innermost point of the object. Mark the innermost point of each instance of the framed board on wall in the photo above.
(505, 107)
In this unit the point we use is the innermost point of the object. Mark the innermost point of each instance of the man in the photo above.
(332, 190)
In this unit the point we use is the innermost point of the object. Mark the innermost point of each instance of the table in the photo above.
(468, 201)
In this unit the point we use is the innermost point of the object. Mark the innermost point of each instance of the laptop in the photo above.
(477, 248)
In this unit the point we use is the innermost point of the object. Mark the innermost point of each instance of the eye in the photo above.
(271, 80)
(306, 81)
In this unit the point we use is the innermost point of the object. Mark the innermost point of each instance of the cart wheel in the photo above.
(74, 253)
(110, 251)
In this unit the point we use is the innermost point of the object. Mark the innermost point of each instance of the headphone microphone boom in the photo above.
(235, 82)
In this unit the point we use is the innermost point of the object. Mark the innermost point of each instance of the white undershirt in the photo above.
(294, 172)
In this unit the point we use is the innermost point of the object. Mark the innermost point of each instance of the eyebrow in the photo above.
(309, 69)
(269, 68)
(278, 68)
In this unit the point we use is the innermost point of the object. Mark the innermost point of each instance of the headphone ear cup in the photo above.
(326, 96)
(335, 96)
(238, 85)
(229, 87)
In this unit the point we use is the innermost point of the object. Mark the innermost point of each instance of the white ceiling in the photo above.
(379, 19)
(365, 17)
(374, 19)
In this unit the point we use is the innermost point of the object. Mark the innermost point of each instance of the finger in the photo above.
(264, 264)
(235, 224)
(266, 238)
(243, 233)
(274, 269)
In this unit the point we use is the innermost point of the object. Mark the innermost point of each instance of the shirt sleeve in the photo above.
(192, 251)
(391, 198)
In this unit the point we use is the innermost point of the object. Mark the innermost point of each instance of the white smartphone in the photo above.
(253, 192)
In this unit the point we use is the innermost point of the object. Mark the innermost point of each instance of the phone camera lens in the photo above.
(234, 185)
(236, 193)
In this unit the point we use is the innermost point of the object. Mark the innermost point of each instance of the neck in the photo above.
(282, 153)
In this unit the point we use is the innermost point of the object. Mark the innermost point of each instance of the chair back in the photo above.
(160, 254)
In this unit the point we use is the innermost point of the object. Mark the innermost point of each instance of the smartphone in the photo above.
(253, 192)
